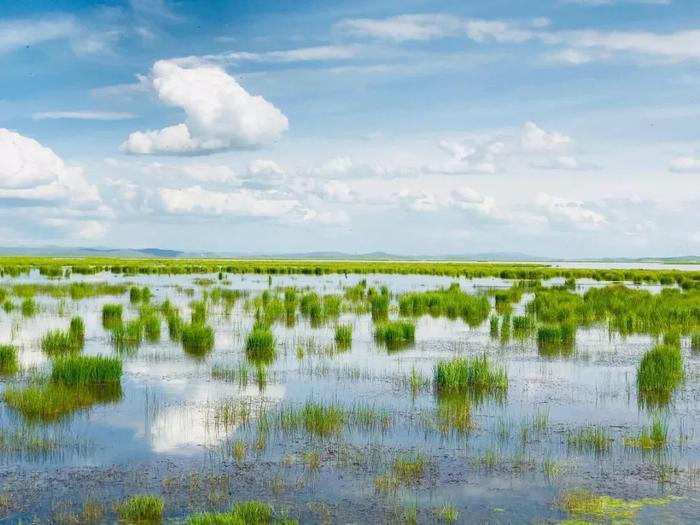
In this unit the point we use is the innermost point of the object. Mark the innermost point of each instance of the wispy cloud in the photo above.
(83, 115)
(15, 34)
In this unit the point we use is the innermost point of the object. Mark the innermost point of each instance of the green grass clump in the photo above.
(242, 513)
(150, 320)
(199, 312)
(77, 330)
(111, 316)
(8, 360)
(29, 307)
(128, 336)
(594, 438)
(659, 373)
(409, 468)
(653, 437)
(260, 344)
(395, 334)
(556, 339)
(141, 508)
(523, 323)
(343, 335)
(476, 374)
(451, 302)
(174, 325)
(53, 401)
(197, 338)
(695, 341)
(83, 370)
(57, 342)
(317, 419)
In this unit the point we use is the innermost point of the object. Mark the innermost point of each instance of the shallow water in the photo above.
(165, 435)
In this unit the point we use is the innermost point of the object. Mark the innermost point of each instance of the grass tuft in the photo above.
(141, 508)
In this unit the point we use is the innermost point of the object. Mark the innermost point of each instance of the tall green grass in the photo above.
(343, 335)
(659, 373)
(83, 370)
(451, 302)
(260, 346)
(111, 316)
(29, 307)
(197, 338)
(695, 341)
(128, 336)
(476, 374)
(57, 342)
(141, 509)
(395, 334)
(9, 364)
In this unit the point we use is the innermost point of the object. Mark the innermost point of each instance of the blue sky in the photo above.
(559, 127)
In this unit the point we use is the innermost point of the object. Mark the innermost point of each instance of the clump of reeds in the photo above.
(660, 371)
(57, 342)
(451, 302)
(260, 344)
(128, 336)
(379, 304)
(150, 320)
(695, 341)
(652, 437)
(242, 513)
(476, 374)
(594, 438)
(29, 307)
(409, 468)
(47, 403)
(199, 312)
(137, 295)
(395, 334)
(84, 370)
(343, 335)
(111, 316)
(556, 339)
(8, 360)
(197, 338)
(141, 508)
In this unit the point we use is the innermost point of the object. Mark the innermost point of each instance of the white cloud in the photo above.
(242, 203)
(29, 170)
(83, 115)
(570, 212)
(436, 25)
(415, 199)
(335, 167)
(562, 162)
(204, 172)
(336, 190)
(466, 198)
(685, 165)
(15, 34)
(221, 115)
(535, 139)
(301, 54)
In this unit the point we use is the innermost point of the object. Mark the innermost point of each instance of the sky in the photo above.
(556, 128)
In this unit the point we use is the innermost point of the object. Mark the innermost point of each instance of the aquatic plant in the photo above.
(476, 374)
(199, 312)
(77, 330)
(8, 360)
(111, 316)
(556, 339)
(451, 302)
(29, 307)
(128, 336)
(652, 437)
(659, 373)
(395, 334)
(53, 401)
(695, 341)
(260, 344)
(448, 513)
(82, 370)
(141, 508)
(596, 438)
(197, 338)
(242, 513)
(409, 468)
(343, 335)
(59, 341)
(583, 503)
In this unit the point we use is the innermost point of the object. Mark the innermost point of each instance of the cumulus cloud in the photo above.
(534, 138)
(467, 198)
(685, 165)
(569, 212)
(335, 167)
(30, 171)
(563, 163)
(221, 115)
(196, 199)
(204, 172)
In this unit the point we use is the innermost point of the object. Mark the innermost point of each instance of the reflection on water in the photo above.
(505, 450)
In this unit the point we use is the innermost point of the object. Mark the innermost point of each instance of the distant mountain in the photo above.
(141, 253)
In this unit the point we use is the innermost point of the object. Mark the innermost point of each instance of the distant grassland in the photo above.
(60, 266)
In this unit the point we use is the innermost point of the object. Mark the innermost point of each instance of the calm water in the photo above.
(166, 435)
